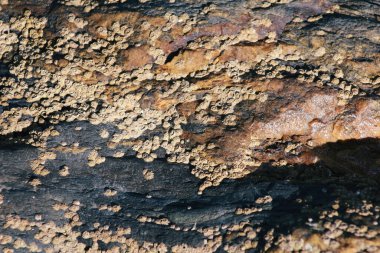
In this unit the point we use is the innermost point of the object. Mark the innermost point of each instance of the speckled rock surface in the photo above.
(189, 126)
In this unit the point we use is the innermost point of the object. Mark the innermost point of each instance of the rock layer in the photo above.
(189, 126)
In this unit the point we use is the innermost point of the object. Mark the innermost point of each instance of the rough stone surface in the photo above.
(189, 126)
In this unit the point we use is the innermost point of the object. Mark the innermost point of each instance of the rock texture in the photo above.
(189, 126)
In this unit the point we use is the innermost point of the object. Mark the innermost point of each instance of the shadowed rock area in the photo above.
(189, 126)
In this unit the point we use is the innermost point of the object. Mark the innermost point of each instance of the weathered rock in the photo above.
(177, 126)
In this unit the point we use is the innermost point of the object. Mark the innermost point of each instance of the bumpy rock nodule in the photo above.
(177, 126)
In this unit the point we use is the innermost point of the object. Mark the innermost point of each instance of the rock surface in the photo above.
(189, 126)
